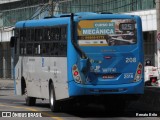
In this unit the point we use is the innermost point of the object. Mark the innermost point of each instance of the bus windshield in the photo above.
(113, 32)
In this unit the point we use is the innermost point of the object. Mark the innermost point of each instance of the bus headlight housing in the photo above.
(76, 74)
(138, 75)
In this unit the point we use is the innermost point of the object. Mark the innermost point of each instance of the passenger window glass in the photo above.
(45, 48)
(47, 34)
(44, 41)
(29, 48)
(63, 34)
(32, 35)
(23, 35)
(22, 49)
(39, 34)
(59, 49)
(37, 48)
(16, 34)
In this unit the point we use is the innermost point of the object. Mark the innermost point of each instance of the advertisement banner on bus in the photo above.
(106, 32)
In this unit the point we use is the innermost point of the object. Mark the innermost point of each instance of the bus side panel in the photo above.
(54, 68)
(39, 70)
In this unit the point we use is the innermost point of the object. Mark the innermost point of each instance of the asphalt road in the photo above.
(16, 105)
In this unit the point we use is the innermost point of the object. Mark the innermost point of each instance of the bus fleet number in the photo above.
(130, 60)
(128, 75)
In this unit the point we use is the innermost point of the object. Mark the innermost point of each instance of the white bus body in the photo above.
(37, 71)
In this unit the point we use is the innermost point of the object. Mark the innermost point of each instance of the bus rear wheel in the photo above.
(30, 101)
(54, 104)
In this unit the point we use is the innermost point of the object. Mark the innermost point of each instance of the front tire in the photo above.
(54, 104)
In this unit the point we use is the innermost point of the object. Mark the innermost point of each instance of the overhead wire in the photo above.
(46, 7)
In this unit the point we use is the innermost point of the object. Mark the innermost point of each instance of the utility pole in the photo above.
(158, 32)
(52, 8)
(51, 3)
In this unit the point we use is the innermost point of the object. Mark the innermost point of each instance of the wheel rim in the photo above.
(51, 97)
(25, 91)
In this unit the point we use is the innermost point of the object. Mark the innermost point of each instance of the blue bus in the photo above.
(78, 55)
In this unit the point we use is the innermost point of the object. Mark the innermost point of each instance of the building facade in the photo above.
(18, 10)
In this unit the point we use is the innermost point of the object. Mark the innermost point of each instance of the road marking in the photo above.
(34, 110)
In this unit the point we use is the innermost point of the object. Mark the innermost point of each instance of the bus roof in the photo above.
(42, 22)
(61, 19)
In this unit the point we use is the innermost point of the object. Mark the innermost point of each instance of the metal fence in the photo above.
(11, 16)
(114, 6)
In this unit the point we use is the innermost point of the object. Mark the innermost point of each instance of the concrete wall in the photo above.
(5, 34)
(148, 17)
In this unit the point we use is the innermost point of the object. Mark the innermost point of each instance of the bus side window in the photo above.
(47, 34)
(21, 48)
(63, 34)
(54, 49)
(32, 35)
(29, 48)
(28, 35)
(62, 49)
(39, 37)
(59, 44)
(22, 41)
(63, 43)
(17, 46)
(45, 49)
(39, 34)
(37, 49)
(16, 34)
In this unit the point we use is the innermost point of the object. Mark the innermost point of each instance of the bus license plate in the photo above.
(108, 76)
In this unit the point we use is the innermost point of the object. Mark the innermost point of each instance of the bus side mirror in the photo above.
(13, 41)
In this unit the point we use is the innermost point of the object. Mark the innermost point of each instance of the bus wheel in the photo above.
(30, 101)
(54, 104)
